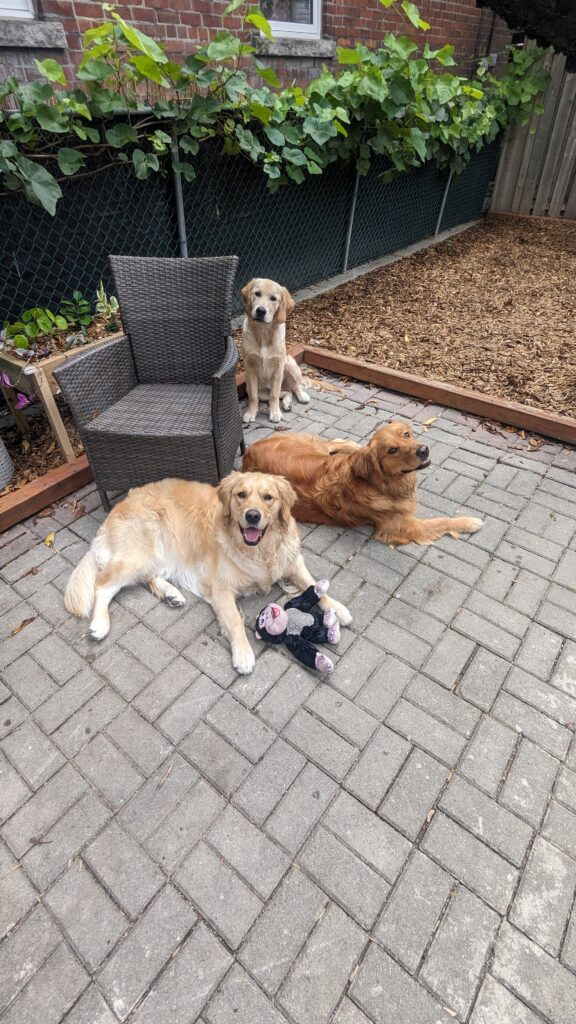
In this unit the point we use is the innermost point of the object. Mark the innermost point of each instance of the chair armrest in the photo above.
(226, 418)
(229, 362)
(92, 381)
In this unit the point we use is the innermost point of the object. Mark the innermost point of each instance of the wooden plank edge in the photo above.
(33, 497)
(560, 428)
(513, 215)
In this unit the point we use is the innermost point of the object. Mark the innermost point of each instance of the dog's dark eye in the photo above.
(407, 434)
(241, 494)
(392, 451)
(273, 298)
(257, 294)
(268, 497)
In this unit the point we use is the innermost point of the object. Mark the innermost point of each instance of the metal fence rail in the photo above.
(298, 236)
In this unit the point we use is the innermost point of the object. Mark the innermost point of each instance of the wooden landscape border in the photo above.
(19, 505)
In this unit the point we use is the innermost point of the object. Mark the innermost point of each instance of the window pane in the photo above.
(298, 11)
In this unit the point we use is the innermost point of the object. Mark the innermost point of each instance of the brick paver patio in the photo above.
(395, 845)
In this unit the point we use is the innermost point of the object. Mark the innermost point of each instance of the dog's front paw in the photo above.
(98, 630)
(287, 403)
(344, 616)
(473, 524)
(250, 415)
(275, 416)
(244, 660)
(304, 397)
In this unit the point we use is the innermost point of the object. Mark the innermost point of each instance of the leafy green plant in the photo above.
(135, 103)
(77, 310)
(34, 324)
(107, 306)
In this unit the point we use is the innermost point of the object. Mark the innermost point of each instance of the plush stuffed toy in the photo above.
(298, 623)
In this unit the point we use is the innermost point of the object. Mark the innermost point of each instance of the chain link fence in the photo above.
(298, 236)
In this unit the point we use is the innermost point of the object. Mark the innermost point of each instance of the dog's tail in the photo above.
(79, 596)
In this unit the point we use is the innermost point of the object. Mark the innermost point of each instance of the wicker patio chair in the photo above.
(161, 400)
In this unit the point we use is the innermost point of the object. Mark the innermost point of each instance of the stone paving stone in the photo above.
(240, 727)
(219, 894)
(302, 806)
(414, 793)
(285, 697)
(350, 882)
(240, 1001)
(48, 858)
(271, 664)
(488, 755)
(188, 982)
(547, 699)
(448, 563)
(109, 770)
(561, 596)
(78, 902)
(564, 675)
(390, 996)
(150, 943)
(212, 658)
(459, 951)
(255, 857)
(315, 985)
(565, 789)
(16, 894)
(497, 577)
(341, 714)
(88, 720)
(222, 764)
(372, 839)
(415, 621)
(187, 710)
(560, 827)
(144, 744)
(185, 825)
(449, 658)
(320, 744)
(428, 589)
(125, 673)
(487, 820)
(429, 734)
(411, 914)
(165, 688)
(533, 724)
(566, 571)
(281, 930)
(148, 648)
(473, 863)
(57, 658)
(446, 706)
(569, 949)
(38, 815)
(13, 645)
(545, 895)
(365, 604)
(496, 1005)
(529, 782)
(30, 555)
(24, 952)
(378, 766)
(534, 976)
(527, 592)
(125, 870)
(71, 696)
(348, 1013)
(398, 641)
(91, 1009)
(76, 633)
(538, 545)
(487, 634)
(539, 651)
(384, 687)
(51, 992)
(32, 753)
(268, 781)
(506, 618)
(158, 797)
(12, 715)
(356, 667)
(31, 684)
(558, 619)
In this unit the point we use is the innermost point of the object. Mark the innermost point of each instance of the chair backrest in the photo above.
(177, 314)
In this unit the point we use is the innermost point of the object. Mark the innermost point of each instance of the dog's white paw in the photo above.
(344, 616)
(249, 416)
(98, 630)
(176, 600)
(275, 416)
(473, 524)
(304, 397)
(244, 660)
(287, 403)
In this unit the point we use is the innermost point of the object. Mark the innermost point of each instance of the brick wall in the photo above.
(179, 23)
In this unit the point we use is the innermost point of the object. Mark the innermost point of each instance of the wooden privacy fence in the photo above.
(537, 170)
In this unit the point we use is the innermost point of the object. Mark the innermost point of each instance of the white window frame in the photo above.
(296, 30)
(23, 9)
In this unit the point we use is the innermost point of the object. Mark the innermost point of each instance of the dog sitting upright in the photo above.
(270, 374)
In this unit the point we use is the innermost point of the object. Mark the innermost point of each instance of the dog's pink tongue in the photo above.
(252, 534)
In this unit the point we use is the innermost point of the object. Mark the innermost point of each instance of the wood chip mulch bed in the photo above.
(492, 310)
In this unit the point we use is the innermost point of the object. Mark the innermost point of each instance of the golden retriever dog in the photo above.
(342, 483)
(218, 542)
(270, 374)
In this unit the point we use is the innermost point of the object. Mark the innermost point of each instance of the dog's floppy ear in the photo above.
(287, 496)
(363, 464)
(225, 489)
(246, 293)
(285, 306)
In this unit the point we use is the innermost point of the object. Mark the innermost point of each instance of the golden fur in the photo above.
(341, 483)
(270, 374)
(195, 534)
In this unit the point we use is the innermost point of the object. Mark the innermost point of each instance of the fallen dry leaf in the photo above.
(49, 539)
(23, 624)
(428, 423)
(430, 815)
(45, 512)
(535, 443)
(79, 510)
(32, 572)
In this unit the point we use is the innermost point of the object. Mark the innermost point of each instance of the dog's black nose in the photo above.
(253, 516)
(422, 452)
(260, 312)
